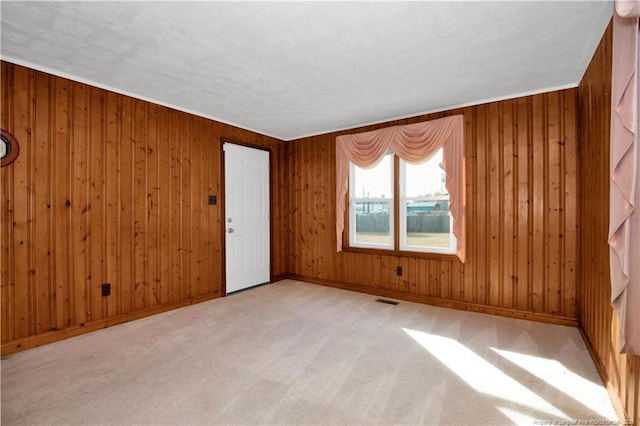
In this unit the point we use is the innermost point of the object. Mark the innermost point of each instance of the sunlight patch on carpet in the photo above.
(561, 378)
(481, 375)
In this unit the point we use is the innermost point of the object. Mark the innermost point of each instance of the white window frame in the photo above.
(352, 211)
(403, 219)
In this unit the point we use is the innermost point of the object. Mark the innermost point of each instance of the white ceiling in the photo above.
(293, 69)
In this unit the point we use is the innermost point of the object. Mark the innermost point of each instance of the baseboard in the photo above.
(436, 301)
(611, 390)
(76, 330)
(280, 277)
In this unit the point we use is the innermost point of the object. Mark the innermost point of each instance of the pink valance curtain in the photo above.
(414, 143)
(624, 220)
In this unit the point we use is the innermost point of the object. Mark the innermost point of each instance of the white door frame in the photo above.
(223, 204)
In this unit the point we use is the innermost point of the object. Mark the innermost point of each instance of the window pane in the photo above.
(371, 203)
(428, 223)
(425, 220)
(372, 222)
(375, 182)
(426, 178)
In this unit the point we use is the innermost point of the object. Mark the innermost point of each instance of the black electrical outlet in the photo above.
(213, 200)
(399, 271)
(106, 289)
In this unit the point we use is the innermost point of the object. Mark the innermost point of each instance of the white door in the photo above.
(246, 177)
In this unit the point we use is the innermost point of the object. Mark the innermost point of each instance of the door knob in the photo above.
(230, 230)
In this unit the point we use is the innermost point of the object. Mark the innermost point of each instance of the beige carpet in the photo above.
(297, 353)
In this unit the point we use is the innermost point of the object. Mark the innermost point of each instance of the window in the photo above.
(424, 222)
(395, 191)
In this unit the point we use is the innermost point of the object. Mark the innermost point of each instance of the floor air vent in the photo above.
(387, 301)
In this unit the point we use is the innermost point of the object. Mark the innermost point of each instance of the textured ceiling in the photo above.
(293, 69)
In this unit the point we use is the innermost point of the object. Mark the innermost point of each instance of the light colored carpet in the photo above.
(297, 353)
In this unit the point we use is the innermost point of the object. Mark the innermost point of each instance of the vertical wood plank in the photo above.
(495, 202)
(444, 279)
(176, 210)
(403, 281)
(509, 202)
(434, 278)
(185, 193)
(457, 281)
(42, 185)
(216, 267)
(197, 200)
(139, 113)
(7, 269)
(393, 273)
(412, 276)
(30, 212)
(20, 198)
(554, 207)
(164, 204)
(97, 219)
(113, 186)
(62, 205)
(387, 272)
(481, 221)
(471, 215)
(81, 202)
(153, 206)
(422, 276)
(538, 186)
(127, 261)
(523, 252)
(569, 208)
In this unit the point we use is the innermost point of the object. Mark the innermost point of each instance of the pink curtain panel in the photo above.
(624, 219)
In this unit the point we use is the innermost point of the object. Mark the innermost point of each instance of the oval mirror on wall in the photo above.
(9, 148)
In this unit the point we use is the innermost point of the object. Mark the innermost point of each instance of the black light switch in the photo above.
(213, 200)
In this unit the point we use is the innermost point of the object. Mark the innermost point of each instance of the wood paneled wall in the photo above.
(521, 206)
(109, 189)
(597, 320)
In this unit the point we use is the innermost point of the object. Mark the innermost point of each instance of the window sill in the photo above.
(401, 253)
